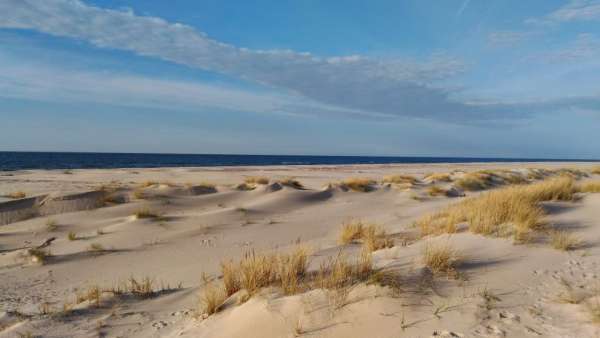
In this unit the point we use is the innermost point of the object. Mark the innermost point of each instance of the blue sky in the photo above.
(431, 78)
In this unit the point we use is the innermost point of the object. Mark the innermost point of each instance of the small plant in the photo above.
(211, 299)
(17, 195)
(96, 247)
(72, 236)
(51, 224)
(440, 258)
(351, 232)
(562, 240)
(38, 255)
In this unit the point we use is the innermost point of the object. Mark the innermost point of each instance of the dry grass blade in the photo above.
(562, 240)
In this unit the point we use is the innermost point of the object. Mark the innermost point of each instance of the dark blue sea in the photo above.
(70, 160)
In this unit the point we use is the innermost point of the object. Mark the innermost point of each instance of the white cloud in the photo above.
(574, 10)
(346, 85)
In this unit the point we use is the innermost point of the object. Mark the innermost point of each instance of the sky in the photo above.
(474, 78)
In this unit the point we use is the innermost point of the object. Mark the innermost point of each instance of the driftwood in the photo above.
(46, 243)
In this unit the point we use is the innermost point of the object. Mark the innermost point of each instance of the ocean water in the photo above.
(69, 160)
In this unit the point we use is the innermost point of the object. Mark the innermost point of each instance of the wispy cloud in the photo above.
(574, 10)
(508, 38)
(347, 85)
(586, 46)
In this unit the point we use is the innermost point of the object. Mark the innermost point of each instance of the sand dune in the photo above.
(172, 225)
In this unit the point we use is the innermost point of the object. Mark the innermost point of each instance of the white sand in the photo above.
(199, 230)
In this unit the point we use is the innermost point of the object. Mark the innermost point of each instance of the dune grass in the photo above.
(211, 299)
(96, 247)
(562, 240)
(440, 258)
(146, 213)
(287, 272)
(359, 184)
(351, 231)
(438, 177)
(147, 184)
(400, 179)
(256, 180)
(16, 195)
(595, 170)
(51, 224)
(434, 190)
(512, 210)
(590, 187)
(38, 255)
(291, 182)
(372, 236)
(72, 236)
(475, 181)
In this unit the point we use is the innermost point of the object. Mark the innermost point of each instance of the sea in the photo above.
(10, 160)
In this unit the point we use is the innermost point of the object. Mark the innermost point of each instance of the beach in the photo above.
(132, 252)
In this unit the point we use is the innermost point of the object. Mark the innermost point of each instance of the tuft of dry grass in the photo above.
(512, 210)
(146, 213)
(373, 236)
(440, 258)
(562, 240)
(400, 179)
(72, 236)
(51, 224)
(38, 255)
(475, 181)
(291, 182)
(139, 194)
(96, 247)
(16, 195)
(291, 269)
(590, 187)
(212, 298)
(438, 177)
(434, 190)
(231, 278)
(245, 186)
(595, 170)
(147, 184)
(359, 184)
(256, 180)
(351, 232)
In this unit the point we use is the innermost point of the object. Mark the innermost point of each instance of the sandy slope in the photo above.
(505, 289)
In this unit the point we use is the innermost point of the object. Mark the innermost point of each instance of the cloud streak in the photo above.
(347, 85)
(391, 87)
